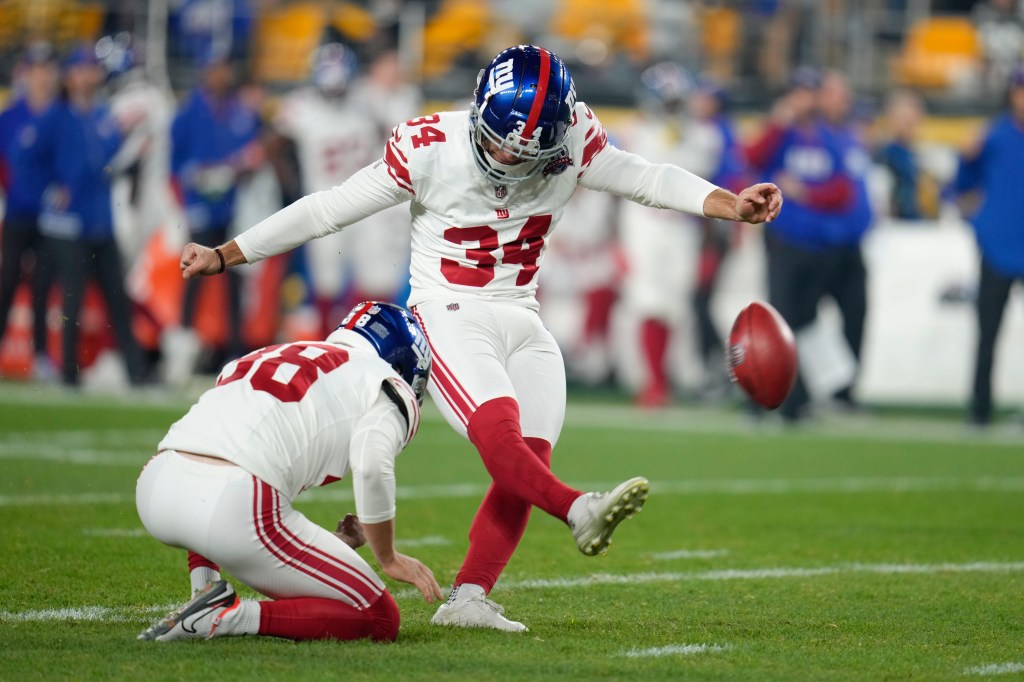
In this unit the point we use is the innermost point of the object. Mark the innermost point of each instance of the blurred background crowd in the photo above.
(894, 127)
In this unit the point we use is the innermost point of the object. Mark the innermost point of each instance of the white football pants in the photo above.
(484, 350)
(250, 530)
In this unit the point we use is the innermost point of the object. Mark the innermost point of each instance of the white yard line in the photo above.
(57, 500)
(734, 423)
(752, 486)
(676, 650)
(760, 574)
(996, 669)
(689, 554)
(428, 541)
(35, 452)
(610, 416)
(115, 532)
(103, 613)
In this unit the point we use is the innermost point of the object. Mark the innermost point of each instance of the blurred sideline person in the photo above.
(846, 275)
(993, 167)
(708, 104)
(214, 143)
(662, 248)
(486, 187)
(796, 152)
(225, 475)
(143, 201)
(384, 90)
(79, 140)
(904, 111)
(584, 272)
(24, 180)
(334, 134)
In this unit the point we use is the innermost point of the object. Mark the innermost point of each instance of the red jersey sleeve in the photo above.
(587, 127)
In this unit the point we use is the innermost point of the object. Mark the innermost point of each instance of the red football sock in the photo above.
(494, 430)
(599, 313)
(654, 337)
(498, 526)
(199, 561)
(306, 618)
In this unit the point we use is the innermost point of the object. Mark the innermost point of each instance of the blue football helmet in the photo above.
(395, 335)
(334, 68)
(118, 53)
(665, 87)
(523, 105)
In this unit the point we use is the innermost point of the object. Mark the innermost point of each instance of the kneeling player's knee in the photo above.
(386, 618)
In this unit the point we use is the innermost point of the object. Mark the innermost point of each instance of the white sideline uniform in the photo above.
(334, 139)
(662, 249)
(148, 204)
(284, 418)
(476, 248)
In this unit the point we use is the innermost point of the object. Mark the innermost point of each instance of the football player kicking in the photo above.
(280, 420)
(486, 187)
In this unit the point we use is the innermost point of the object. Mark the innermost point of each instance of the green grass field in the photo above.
(887, 548)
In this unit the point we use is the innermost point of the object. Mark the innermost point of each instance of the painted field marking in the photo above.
(104, 447)
(996, 669)
(428, 541)
(774, 486)
(676, 650)
(746, 574)
(105, 613)
(55, 500)
(762, 574)
(35, 452)
(689, 554)
(115, 532)
(603, 416)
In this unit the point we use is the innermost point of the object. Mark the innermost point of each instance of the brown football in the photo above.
(761, 357)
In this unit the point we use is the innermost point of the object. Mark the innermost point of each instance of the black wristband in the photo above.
(223, 263)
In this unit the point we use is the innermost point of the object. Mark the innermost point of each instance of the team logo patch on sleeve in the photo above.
(557, 165)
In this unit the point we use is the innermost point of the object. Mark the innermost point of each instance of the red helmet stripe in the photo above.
(355, 318)
(542, 91)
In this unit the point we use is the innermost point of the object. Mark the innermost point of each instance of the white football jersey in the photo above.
(287, 413)
(472, 237)
(145, 202)
(334, 138)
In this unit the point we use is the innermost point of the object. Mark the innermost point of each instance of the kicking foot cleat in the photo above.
(594, 516)
(209, 614)
(475, 611)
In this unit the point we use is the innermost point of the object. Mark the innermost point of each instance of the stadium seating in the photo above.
(285, 38)
(938, 53)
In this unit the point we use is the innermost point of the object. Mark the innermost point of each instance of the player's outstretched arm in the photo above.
(758, 203)
(381, 537)
(199, 260)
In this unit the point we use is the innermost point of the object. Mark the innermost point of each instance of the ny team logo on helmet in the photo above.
(523, 105)
(397, 337)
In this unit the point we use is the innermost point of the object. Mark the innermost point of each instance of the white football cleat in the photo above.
(471, 609)
(211, 613)
(594, 516)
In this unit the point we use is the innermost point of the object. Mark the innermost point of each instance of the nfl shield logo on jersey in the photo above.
(500, 191)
